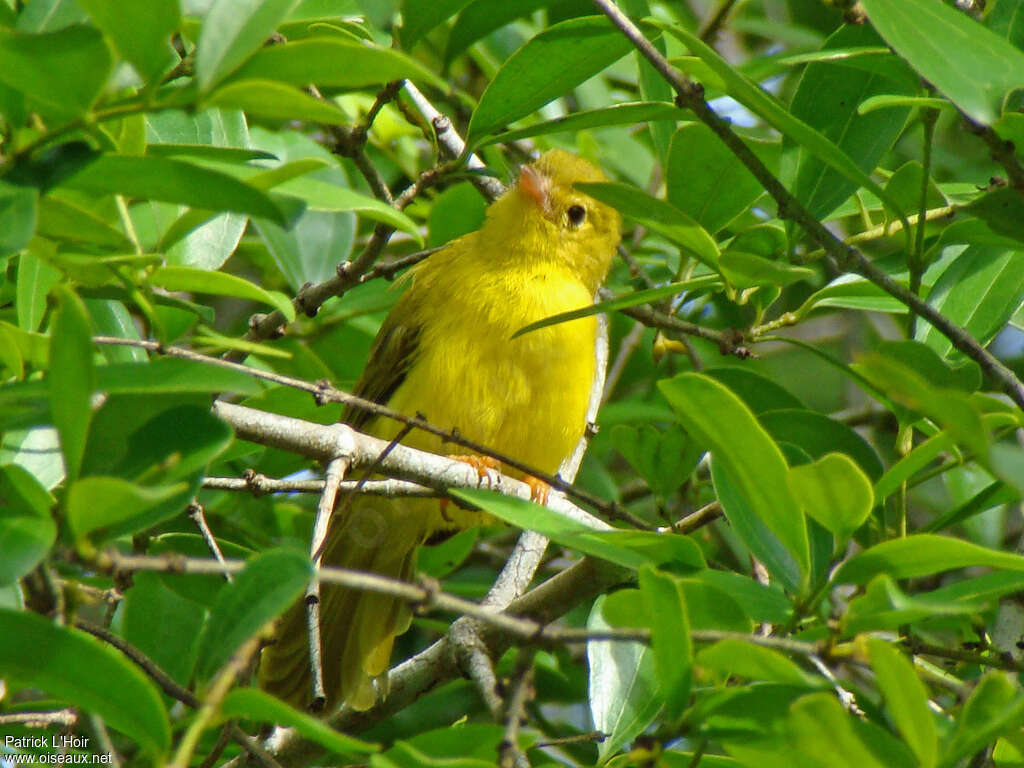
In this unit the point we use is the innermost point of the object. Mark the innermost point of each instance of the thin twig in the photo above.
(62, 717)
(333, 475)
(198, 515)
(509, 754)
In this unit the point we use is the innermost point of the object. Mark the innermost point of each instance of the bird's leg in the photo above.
(482, 465)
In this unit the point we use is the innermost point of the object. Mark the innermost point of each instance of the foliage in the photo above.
(827, 485)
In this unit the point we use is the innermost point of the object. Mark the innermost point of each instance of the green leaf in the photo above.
(162, 624)
(670, 638)
(322, 196)
(36, 278)
(421, 16)
(906, 699)
(276, 101)
(921, 555)
(827, 99)
(746, 270)
(167, 376)
(985, 69)
(819, 435)
(202, 589)
(885, 101)
(221, 284)
(759, 393)
(754, 662)
(231, 32)
(995, 706)
(883, 606)
(140, 32)
(551, 63)
(18, 212)
(624, 687)
(657, 215)
(253, 704)
(71, 377)
(335, 63)
(761, 603)
(706, 180)
(716, 418)
(979, 291)
(821, 729)
(65, 220)
(705, 282)
(775, 114)
(72, 666)
(61, 73)
(1002, 209)
(174, 181)
(663, 458)
(631, 549)
(268, 585)
(628, 113)
(835, 492)
(95, 503)
(26, 529)
(481, 17)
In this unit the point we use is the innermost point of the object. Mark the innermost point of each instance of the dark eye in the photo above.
(576, 214)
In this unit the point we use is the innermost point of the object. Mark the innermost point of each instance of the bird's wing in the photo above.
(391, 357)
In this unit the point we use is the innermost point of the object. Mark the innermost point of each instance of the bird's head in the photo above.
(553, 220)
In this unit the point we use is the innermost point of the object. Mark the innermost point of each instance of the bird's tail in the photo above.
(357, 628)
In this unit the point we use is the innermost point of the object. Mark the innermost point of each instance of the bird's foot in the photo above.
(483, 466)
(539, 490)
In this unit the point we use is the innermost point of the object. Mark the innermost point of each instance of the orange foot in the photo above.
(539, 490)
(482, 465)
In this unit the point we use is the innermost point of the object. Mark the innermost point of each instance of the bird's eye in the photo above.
(576, 214)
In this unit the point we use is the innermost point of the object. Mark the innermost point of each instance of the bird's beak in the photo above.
(536, 187)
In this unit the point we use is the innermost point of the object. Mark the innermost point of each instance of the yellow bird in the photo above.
(446, 351)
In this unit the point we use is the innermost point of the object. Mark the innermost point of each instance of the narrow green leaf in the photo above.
(985, 69)
(819, 435)
(906, 699)
(995, 706)
(827, 100)
(670, 638)
(835, 492)
(628, 113)
(421, 16)
(706, 180)
(887, 100)
(74, 667)
(71, 377)
(94, 503)
(175, 181)
(754, 662)
(61, 73)
(167, 376)
(26, 529)
(821, 729)
(921, 555)
(334, 62)
(551, 63)
(268, 585)
(747, 270)
(705, 282)
(18, 213)
(277, 101)
(253, 704)
(631, 549)
(883, 606)
(624, 688)
(141, 32)
(658, 215)
(221, 284)
(231, 32)
(481, 17)
(162, 624)
(776, 115)
(62, 219)
(36, 278)
(979, 291)
(321, 196)
(739, 445)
